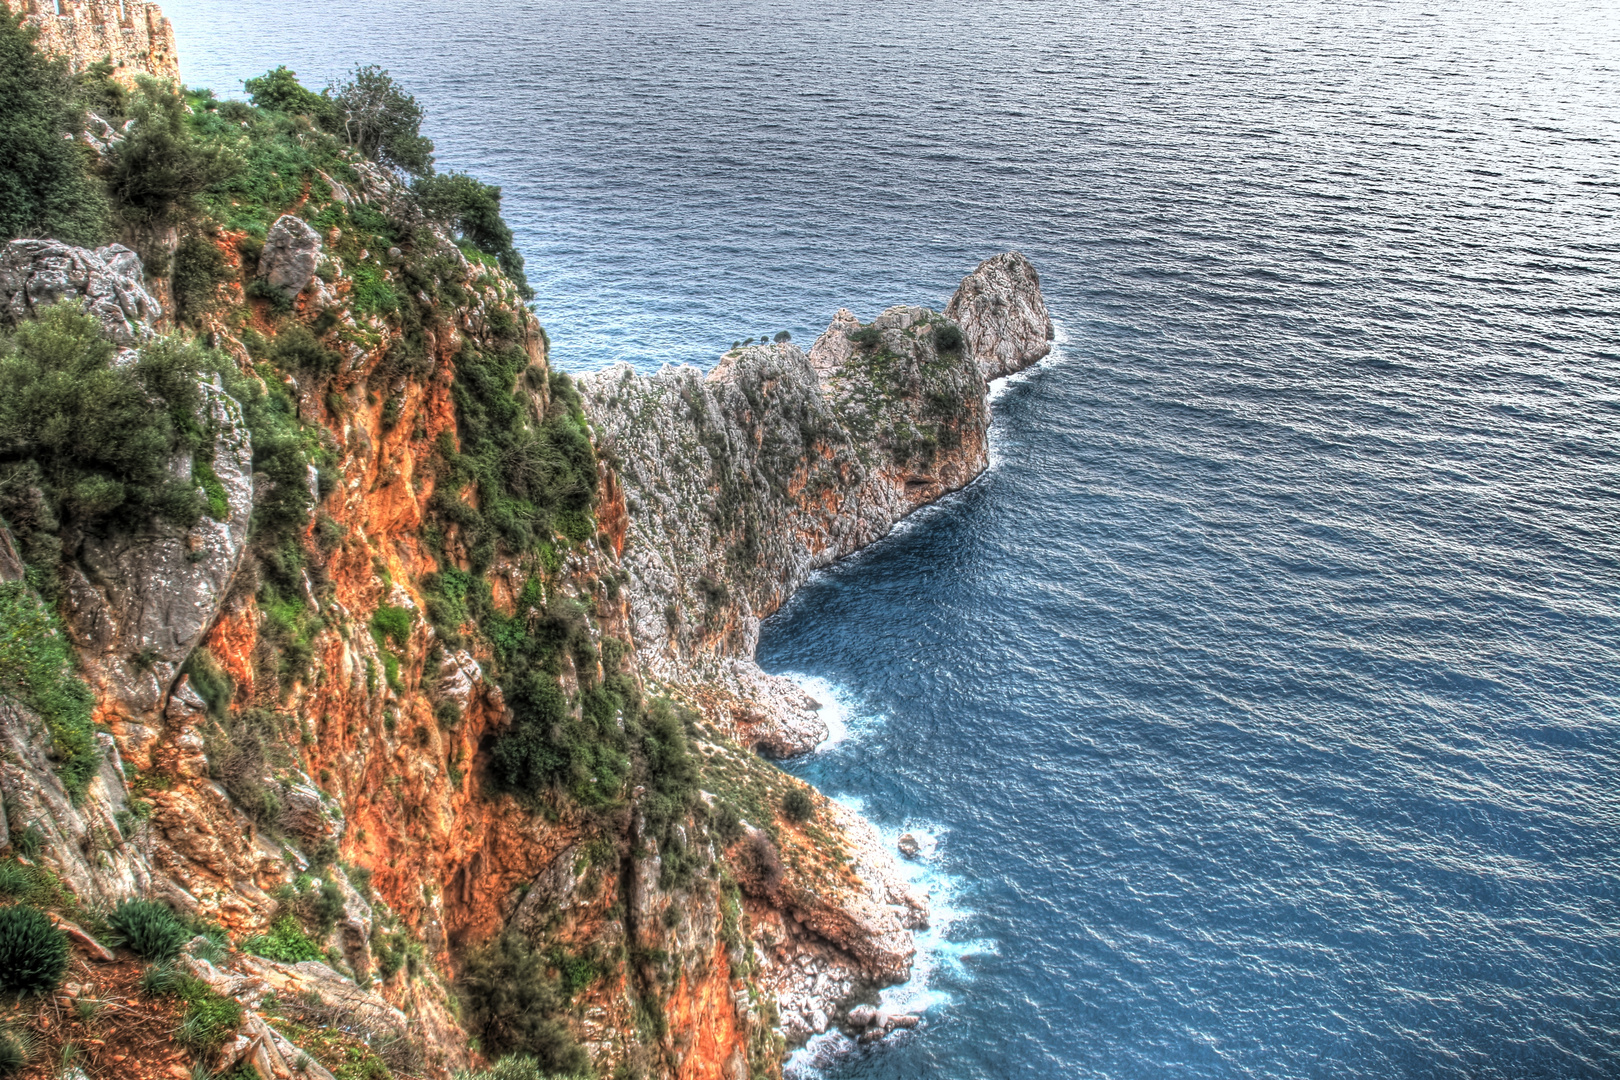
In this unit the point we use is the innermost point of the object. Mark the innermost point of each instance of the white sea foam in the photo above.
(939, 963)
(834, 708)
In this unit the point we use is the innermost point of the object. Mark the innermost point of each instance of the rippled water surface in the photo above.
(1262, 700)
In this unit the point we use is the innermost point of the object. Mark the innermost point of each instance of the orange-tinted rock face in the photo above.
(703, 1009)
(331, 747)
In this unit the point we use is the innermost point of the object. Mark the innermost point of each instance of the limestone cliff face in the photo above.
(133, 34)
(289, 715)
(740, 483)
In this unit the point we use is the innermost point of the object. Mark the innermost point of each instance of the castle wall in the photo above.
(133, 34)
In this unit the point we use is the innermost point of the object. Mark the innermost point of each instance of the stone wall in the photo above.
(133, 34)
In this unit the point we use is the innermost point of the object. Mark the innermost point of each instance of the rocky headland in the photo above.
(425, 695)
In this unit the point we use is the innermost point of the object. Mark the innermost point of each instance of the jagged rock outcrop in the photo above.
(735, 487)
(292, 251)
(137, 602)
(35, 274)
(740, 483)
(1000, 309)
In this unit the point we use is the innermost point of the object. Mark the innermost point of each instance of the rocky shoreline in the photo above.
(446, 660)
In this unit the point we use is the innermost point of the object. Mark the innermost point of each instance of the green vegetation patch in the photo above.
(37, 668)
(208, 1019)
(285, 941)
(148, 929)
(33, 952)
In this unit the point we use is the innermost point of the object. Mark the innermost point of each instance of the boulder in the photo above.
(1002, 315)
(292, 251)
(35, 274)
(908, 845)
(137, 601)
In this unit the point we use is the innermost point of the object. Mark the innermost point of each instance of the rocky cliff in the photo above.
(435, 705)
(132, 35)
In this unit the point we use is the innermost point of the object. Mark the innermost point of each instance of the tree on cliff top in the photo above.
(45, 189)
(473, 209)
(383, 122)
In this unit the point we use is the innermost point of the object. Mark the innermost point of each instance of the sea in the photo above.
(1259, 709)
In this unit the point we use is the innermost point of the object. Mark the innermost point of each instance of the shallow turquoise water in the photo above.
(1262, 699)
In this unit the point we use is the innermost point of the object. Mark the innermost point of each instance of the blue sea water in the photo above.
(1262, 703)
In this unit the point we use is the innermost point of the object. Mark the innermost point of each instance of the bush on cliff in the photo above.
(383, 122)
(796, 805)
(148, 929)
(84, 443)
(45, 186)
(472, 209)
(162, 164)
(285, 941)
(512, 1004)
(533, 480)
(279, 90)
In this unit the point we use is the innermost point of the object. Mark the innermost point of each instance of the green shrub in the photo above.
(162, 164)
(372, 294)
(512, 1005)
(242, 746)
(796, 805)
(199, 268)
(148, 929)
(727, 824)
(37, 668)
(393, 624)
(281, 91)
(209, 1018)
(285, 942)
(948, 338)
(383, 122)
(45, 186)
(866, 337)
(472, 209)
(85, 434)
(15, 880)
(296, 348)
(33, 952)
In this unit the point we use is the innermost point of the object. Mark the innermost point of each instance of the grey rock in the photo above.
(307, 814)
(862, 1016)
(82, 843)
(138, 601)
(292, 251)
(1002, 314)
(908, 845)
(35, 274)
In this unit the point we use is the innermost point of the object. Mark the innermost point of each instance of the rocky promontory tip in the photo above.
(1000, 309)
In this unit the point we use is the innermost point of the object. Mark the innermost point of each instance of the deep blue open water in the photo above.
(1262, 703)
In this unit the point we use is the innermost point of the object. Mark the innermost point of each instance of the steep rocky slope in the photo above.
(437, 673)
